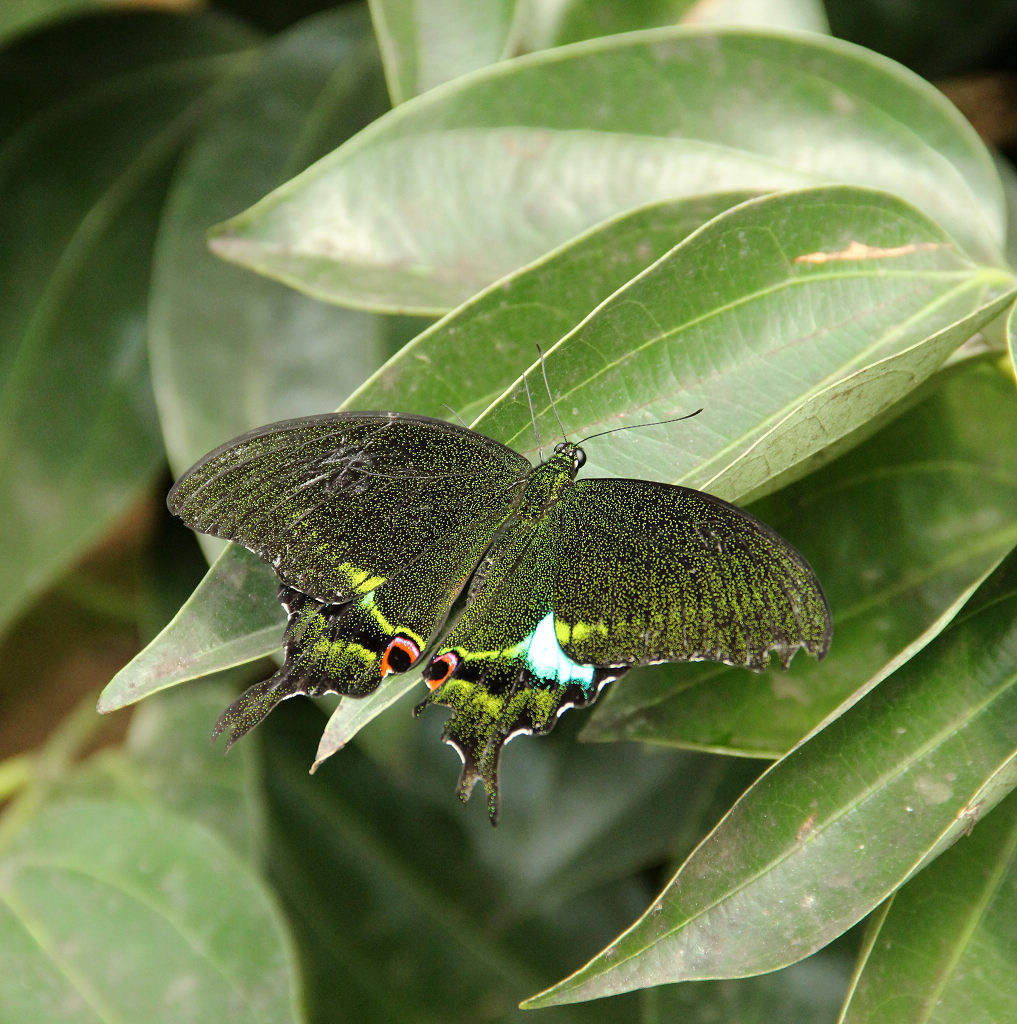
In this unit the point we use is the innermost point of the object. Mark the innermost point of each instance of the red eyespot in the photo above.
(399, 655)
(440, 669)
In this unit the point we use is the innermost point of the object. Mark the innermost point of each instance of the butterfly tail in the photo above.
(469, 777)
(253, 706)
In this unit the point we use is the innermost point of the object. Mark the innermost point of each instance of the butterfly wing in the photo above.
(339, 502)
(373, 522)
(650, 572)
(616, 573)
(501, 668)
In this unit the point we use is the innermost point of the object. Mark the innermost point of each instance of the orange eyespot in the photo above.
(440, 669)
(400, 654)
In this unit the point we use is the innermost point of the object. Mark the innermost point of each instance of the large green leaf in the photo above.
(81, 188)
(115, 911)
(531, 152)
(944, 950)
(660, 347)
(230, 351)
(896, 530)
(837, 825)
(167, 761)
(485, 915)
(569, 21)
(425, 44)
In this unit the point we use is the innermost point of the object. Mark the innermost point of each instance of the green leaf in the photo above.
(896, 530)
(167, 760)
(575, 20)
(833, 828)
(484, 914)
(892, 292)
(230, 619)
(659, 347)
(944, 950)
(81, 187)
(230, 351)
(114, 911)
(425, 44)
(533, 151)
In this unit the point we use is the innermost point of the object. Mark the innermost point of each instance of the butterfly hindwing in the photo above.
(346, 649)
(500, 668)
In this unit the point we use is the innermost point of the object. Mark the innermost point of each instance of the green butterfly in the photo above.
(376, 522)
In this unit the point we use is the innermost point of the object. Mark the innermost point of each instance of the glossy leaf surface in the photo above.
(85, 875)
(526, 164)
(844, 819)
(944, 949)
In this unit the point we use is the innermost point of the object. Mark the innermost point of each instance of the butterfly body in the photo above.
(377, 522)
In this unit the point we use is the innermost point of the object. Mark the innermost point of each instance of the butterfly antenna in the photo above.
(633, 426)
(533, 418)
(445, 405)
(547, 388)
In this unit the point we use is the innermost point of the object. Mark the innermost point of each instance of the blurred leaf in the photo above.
(587, 19)
(425, 44)
(895, 531)
(486, 913)
(81, 189)
(167, 761)
(833, 828)
(229, 350)
(531, 152)
(660, 347)
(114, 911)
(945, 949)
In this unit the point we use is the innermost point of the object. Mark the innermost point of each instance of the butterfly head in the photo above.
(568, 451)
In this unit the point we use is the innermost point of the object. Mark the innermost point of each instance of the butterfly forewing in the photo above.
(341, 502)
(647, 572)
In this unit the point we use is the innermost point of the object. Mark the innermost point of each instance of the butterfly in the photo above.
(377, 522)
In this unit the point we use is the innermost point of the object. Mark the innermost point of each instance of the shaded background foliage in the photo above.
(144, 877)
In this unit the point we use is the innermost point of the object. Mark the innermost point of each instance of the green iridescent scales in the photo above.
(375, 522)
